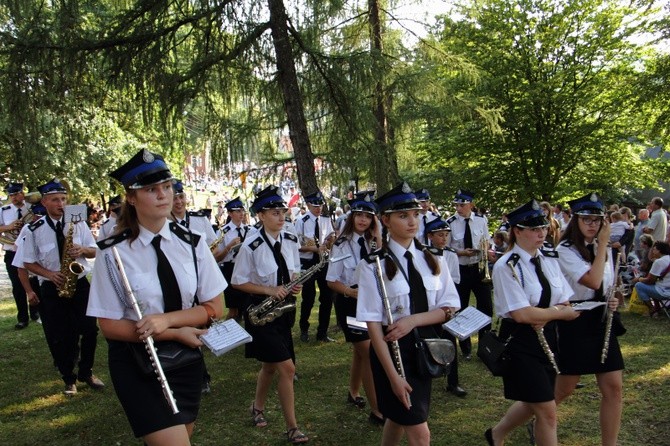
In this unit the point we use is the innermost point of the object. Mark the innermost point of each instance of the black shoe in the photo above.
(206, 388)
(377, 421)
(467, 356)
(359, 401)
(489, 437)
(325, 339)
(457, 390)
(70, 390)
(21, 325)
(93, 382)
(304, 336)
(580, 386)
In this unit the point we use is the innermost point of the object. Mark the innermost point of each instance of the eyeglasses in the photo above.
(590, 220)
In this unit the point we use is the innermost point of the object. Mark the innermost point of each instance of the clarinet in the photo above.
(395, 346)
(149, 341)
(610, 313)
(540, 331)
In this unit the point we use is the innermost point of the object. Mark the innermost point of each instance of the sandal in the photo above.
(294, 436)
(257, 417)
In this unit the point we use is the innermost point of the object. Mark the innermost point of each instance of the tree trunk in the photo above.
(292, 96)
(385, 168)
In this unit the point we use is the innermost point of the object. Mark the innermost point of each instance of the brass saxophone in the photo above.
(271, 308)
(484, 258)
(69, 267)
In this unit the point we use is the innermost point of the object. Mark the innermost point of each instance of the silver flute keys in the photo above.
(547, 350)
(610, 314)
(149, 341)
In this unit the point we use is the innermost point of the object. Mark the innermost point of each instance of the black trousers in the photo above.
(471, 282)
(308, 297)
(71, 335)
(23, 310)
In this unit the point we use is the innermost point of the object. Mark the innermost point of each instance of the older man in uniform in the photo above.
(467, 232)
(10, 224)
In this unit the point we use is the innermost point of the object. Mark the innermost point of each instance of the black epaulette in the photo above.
(289, 236)
(184, 235)
(451, 219)
(305, 218)
(226, 229)
(435, 250)
(258, 224)
(113, 239)
(4, 208)
(372, 257)
(548, 245)
(566, 243)
(435, 214)
(340, 240)
(449, 248)
(36, 224)
(197, 214)
(106, 221)
(513, 259)
(288, 219)
(549, 253)
(256, 243)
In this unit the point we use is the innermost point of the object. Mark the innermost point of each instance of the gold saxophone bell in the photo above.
(76, 268)
(484, 258)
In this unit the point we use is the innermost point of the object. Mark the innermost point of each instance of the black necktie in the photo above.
(467, 239)
(239, 234)
(425, 232)
(364, 250)
(20, 214)
(282, 271)
(316, 231)
(598, 295)
(184, 223)
(417, 295)
(169, 285)
(60, 238)
(545, 297)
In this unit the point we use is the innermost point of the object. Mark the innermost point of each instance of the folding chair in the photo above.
(661, 306)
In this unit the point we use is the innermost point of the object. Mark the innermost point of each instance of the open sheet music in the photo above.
(225, 336)
(355, 324)
(466, 322)
(588, 305)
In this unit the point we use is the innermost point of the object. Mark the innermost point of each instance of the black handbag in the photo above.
(172, 355)
(492, 351)
(433, 356)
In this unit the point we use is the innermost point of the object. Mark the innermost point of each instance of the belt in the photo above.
(471, 265)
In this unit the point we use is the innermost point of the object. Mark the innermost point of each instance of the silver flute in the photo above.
(149, 341)
(539, 331)
(610, 314)
(395, 346)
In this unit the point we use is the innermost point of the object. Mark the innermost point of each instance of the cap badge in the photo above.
(458, 192)
(406, 189)
(594, 197)
(536, 206)
(147, 156)
(367, 198)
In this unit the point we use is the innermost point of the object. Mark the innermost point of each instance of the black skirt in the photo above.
(580, 345)
(233, 297)
(389, 405)
(530, 377)
(346, 306)
(272, 342)
(142, 397)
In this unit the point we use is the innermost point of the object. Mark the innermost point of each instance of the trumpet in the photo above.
(484, 258)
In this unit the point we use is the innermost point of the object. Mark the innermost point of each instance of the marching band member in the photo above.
(530, 293)
(313, 230)
(467, 231)
(166, 266)
(11, 220)
(585, 263)
(109, 225)
(425, 215)
(437, 232)
(359, 234)
(197, 222)
(420, 294)
(265, 263)
(234, 233)
(64, 318)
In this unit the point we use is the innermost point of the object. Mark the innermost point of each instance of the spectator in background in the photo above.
(642, 221)
(658, 220)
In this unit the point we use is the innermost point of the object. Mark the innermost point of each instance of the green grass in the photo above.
(33, 411)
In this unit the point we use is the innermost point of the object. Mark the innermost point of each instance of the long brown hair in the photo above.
(390, 267)
(128, 218)
(348, 230)
(574, 234)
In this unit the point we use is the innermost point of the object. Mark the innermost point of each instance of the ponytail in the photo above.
(390, 268)
(429, 257)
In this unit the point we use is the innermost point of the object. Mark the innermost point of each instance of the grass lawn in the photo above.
(33, 411)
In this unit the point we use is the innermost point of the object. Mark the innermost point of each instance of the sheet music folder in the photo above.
(466, 322)
(355, 324)
(225, 336)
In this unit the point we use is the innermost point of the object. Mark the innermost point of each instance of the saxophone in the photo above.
(69, 267)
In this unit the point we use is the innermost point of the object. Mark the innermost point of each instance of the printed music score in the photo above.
(466, 322)
(588, 305)
(225, 336)
(355, 324)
